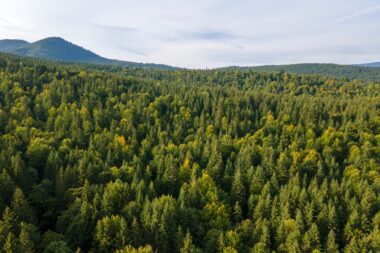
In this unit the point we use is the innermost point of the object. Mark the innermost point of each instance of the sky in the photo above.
(204, 33)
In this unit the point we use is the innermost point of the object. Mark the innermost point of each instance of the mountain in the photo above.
(53, 48)
(8, 46)
(371, 64)
(58, 49)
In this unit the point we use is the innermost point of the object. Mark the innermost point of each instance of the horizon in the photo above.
(206, 35)
(191, 68)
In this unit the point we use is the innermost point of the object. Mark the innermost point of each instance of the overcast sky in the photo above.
(200, 33)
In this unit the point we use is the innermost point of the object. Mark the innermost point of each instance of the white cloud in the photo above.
(357, 14)
(202, 33)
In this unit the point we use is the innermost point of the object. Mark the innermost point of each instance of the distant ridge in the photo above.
(59, 49)
(324, 69)
(371, 64)
(8, 46)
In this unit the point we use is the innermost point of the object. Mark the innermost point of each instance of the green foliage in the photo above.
(107, 159)
(58, 247)
(130, 249)
(111, 233)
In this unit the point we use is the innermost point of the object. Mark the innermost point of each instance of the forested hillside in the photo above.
(59, 49)
(186, 161)
(348, 72)
(365, 71)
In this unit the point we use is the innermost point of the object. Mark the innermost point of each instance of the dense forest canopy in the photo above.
(139, 160)
(322, 69)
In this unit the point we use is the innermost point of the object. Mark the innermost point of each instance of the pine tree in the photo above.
(26, 243)
(136, 232)
(311, 239)
(238, 191)
(10, 245)
(331, 246)
(22, 208)
(215, 163)
(375, 239)
(188, 246)
(19, 172)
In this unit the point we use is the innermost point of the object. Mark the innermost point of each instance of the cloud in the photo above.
(115, 28)
(124, 48)
(356, 14)
(202, 33)
(199, 35)
(6, 24)
(209, 35)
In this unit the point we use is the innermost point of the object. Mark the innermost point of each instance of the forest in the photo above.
(329, 70)
(139, 160)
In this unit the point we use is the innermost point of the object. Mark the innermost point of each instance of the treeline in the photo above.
(324, 69)
(186, 161)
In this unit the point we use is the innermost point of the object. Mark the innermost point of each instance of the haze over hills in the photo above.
(53, 48)
(372, 65)
(10, 46)
(326, 69)
(59, 49)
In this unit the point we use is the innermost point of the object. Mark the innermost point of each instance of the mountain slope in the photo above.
(371, 64)
(58, 49)
(8, 46)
